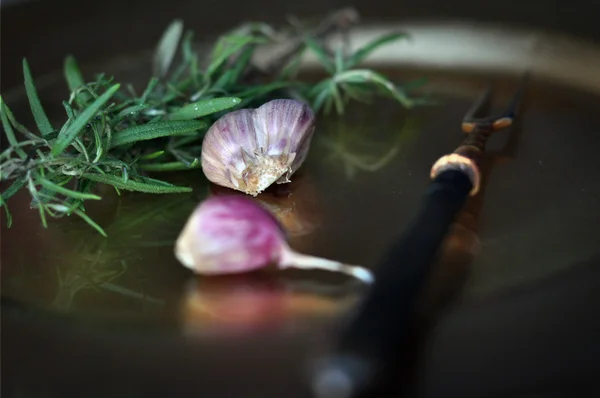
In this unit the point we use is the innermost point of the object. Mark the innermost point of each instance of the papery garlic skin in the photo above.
(250, 149)
(228, 235)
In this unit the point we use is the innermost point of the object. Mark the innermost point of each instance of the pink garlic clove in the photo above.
(233, 234)
(250, 149)
(227, 235)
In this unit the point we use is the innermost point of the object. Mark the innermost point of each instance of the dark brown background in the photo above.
(45, 30)
(468, 356)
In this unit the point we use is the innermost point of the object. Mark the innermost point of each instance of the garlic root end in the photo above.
(292, 259)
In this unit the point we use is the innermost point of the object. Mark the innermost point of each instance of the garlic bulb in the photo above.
(234, 234)
(250, 149)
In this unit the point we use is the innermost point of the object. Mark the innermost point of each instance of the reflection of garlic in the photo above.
(250, 149)
(251, 302)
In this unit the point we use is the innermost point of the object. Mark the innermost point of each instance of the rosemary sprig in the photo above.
(112, 136)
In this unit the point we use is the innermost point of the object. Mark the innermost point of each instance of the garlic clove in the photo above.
(234, 234)
(227, 235)
(250, 149)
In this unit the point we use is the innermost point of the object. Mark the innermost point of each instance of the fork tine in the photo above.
(515, 102)
(481, 106)
(504, 119)
(507, 117)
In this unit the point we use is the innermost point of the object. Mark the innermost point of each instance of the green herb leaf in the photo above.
(184, 140)
(66, 137)
(69, 110)
(152, 155)
(321, 54)
(131, 111)
(37, 110)
(6, 212)
(10, 191)
(362, 53)
(14, 188)
(83, 186)
(254, 93)
(226, 47)
(189, 56)
(74, 80)
(337, 98)
(204, 108)
(11, 118)
(231, 76)
(292, 68)
(91, 222)
(142, 184)
(151, 85)
(155, 130)
(8, 131)
(167, 47)
(72, 73)
(320, 100)
(35, 195)
(368, 76)
(170, 166)
(49, 185)
(339, 60)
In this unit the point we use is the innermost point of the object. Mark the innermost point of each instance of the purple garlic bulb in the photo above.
(250, 149)
(233, 234)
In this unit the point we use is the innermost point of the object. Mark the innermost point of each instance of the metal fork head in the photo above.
(475, 119)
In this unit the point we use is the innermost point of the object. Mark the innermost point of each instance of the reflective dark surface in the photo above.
(358, 189)
(536, 236)
(85, 316)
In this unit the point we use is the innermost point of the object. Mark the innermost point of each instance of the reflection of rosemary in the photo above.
(113, 135)
(99, 264)
(91, 274)
(350, 145)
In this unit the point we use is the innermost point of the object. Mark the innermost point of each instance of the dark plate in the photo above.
(121, 317)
